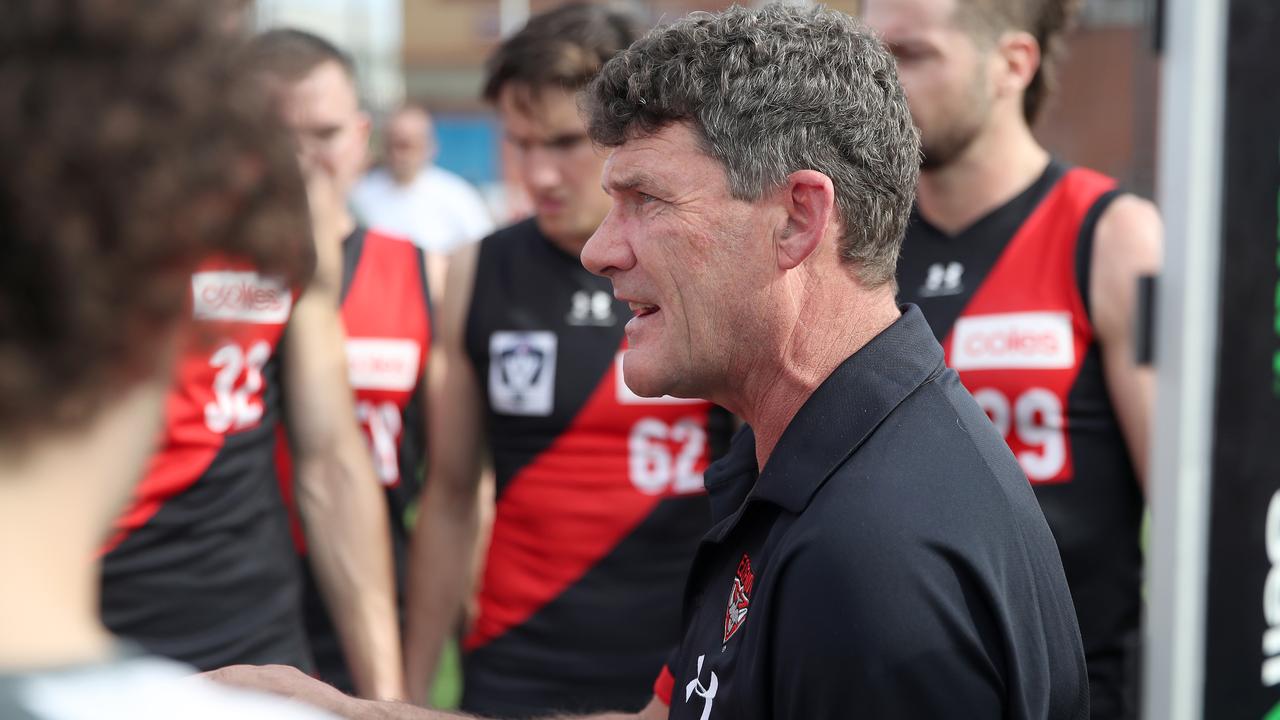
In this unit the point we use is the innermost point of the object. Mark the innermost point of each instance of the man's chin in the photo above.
(557, 227)
(639, 380)
(642, 385)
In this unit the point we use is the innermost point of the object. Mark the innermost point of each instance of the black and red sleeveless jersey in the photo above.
(386, 313)
(600, 503)
(1008, 300)
(200, 567)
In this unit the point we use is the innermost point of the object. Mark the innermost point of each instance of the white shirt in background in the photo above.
(438, 211)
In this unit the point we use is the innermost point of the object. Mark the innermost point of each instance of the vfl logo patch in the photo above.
(522, 372)
(739, 598)
(240, 296)
(382, 363)
(1014, 341)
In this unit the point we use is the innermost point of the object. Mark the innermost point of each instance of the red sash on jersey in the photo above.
(218, 387)
(388, 336)
(570, 506)
(1019, 344)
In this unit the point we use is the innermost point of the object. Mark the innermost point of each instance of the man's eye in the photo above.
(567, 143)
(645, 198)
(909, 53)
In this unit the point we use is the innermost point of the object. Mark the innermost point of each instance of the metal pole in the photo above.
(1190, 183)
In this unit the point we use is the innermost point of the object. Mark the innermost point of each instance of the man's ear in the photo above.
(1020, 59)
(810, 200)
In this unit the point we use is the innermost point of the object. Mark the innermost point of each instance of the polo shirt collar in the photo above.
(835, 420)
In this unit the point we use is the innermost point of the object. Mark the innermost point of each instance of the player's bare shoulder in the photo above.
(1128, 243)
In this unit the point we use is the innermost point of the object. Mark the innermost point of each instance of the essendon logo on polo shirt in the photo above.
(739, 598)
(240, 296)
(1031, 340)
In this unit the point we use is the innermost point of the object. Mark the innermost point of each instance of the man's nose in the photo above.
(607, 250)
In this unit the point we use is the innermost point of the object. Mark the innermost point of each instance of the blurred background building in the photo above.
(433, 51)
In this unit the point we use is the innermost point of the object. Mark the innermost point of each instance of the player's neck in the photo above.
(1002, 162)
(403, 181)
(58, 493)
(781, 375)
(49, 606)
(569, 244)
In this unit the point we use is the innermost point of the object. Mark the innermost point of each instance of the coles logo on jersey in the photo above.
(739, 598)
(240, 297)
(383, 363)
(522, 372)
(1029, 340)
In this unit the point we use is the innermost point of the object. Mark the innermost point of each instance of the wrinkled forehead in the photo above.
(668, 161)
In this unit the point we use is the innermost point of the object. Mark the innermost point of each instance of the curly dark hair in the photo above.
(772, 91)
(132, 147)
(1046, 20)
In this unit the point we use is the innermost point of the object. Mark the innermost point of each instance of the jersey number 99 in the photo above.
(1033, 427)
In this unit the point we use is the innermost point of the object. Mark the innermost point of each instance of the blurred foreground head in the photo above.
(130, 149)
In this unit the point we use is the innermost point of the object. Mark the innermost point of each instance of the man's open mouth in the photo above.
(642, 309)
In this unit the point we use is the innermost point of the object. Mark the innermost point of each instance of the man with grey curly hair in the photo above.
(879, 550)
(879, 546)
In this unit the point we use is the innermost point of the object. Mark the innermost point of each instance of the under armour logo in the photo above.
(592, 308)
(943, 280)
(708, 694)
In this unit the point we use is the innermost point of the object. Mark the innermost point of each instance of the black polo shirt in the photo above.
(889, 562)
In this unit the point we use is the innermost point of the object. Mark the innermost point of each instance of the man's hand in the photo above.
(331, 222)
(285, 681)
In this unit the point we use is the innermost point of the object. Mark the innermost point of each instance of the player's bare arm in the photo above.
(447, 529)
(342, 504)
(1128, 244)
